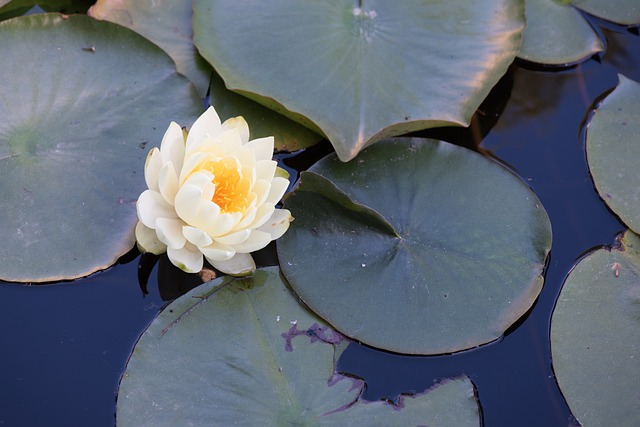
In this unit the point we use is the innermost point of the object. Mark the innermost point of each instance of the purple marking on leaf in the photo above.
(356, 383)
(315, 333)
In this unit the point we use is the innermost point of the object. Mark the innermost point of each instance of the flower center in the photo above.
(232, 189)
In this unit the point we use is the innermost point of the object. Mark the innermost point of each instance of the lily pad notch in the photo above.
(418, 247)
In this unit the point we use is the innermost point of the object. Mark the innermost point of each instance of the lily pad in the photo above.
(289, 135)
(246, 352)
(625, 12)
(595, 336)
(418, 246)
(557, 34)
(361, 72)
(72, 140)
(168, 24)
(613, 151)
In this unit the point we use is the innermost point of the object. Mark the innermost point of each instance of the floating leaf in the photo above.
(417, 247)
(625, 12)
(595, 336)
(613, 151)
(72, 140)
(289, 135)
(246, 352)
(362, 73)
(168, 24)
(557, 34)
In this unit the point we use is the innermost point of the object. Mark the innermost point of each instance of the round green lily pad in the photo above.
(613, 151)
(362, 71)
(595, 336)
(246, 352)
(557, 34)
(417, 246)
(80, 100)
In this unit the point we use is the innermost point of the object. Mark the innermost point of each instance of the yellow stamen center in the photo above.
(232, 189)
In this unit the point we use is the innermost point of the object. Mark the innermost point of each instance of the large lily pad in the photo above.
(418, 246)
(613, 151)
(557, 34)
(168, 24)
(249, 354)
(595, 336)
(72, 140)
(361, 72)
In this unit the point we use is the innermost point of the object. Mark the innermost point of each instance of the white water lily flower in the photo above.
(212, 193)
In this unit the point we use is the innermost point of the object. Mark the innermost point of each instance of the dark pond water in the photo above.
(63, 347)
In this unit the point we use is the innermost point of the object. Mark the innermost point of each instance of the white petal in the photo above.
(187, 258)
(278, 224)
(263, 214)
(262, 146)
(222, 225)
(191, 163)
(170, 232)
(168, 182)
(229, 141)
(265, 169)
(209, 145)
(217, 252)
(196, 236)
(256, 241)
(249, 217)
(240, 124)
(240, 265)
(278, 188)
(194, 209)
(207, 123)
(234, 238)
(152, 166)
(148, 240)
(151, 206)
(172, 146)
(261, 188)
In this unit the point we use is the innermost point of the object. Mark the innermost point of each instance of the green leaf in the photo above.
(613, 151)
(625, 12)
(360, 74)
(418, 246)
(595, 336)
(246, 352)
(168, 24)
(289, 135)
(557, 34)
(80, 100)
